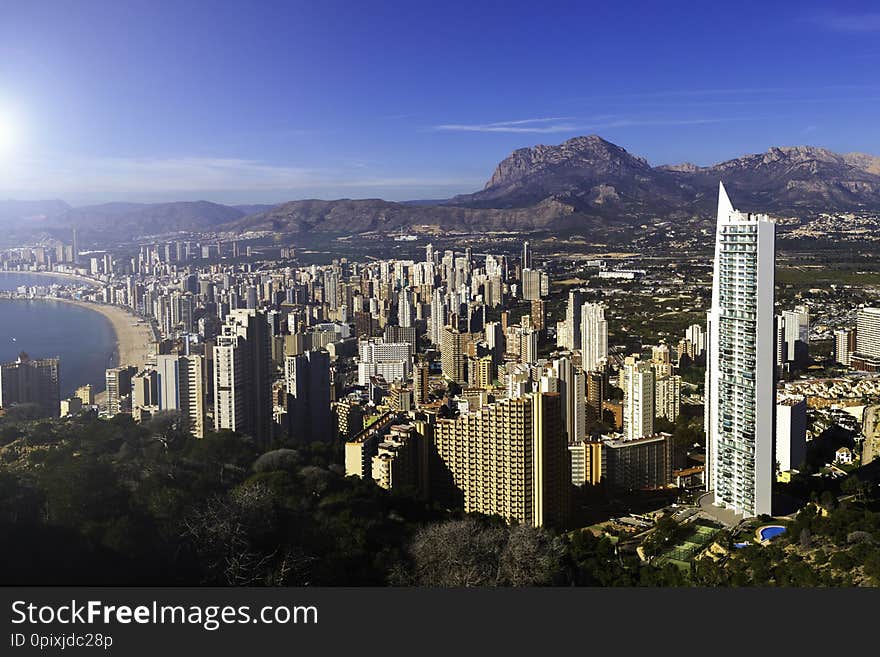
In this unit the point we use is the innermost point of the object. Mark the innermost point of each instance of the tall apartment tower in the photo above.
(844, 345)
(868, 339)
(405, 308)
(594, 336)
(740, 363)
(180, 387)
(452, 354)
(527, 255)
(118, 380)
(509, 458)
(421, 372)
(571, 337)
(531, 284)
(308, 397)
(243, 376)
(31, 381)
(637, 381)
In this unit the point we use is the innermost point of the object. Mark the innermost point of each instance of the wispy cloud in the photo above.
(541, 125)
(848, 21)
(570, 124)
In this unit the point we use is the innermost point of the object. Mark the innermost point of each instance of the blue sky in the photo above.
(272, 101)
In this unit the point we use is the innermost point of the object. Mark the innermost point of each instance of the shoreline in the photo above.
(57, 274)
(132, 342)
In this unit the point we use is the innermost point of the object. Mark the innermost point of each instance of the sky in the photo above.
(263, 102)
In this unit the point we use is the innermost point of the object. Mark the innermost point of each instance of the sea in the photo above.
(83, 339)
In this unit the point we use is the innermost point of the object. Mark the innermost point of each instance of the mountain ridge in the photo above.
(582, 183)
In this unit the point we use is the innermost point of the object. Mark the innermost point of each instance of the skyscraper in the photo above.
(180, 387)
(308, 396)
(509, 458)
(571, 339)
(405, 308)
(243, 376)
(844, 345)
(594, 336)
(867, 339)
(527, 255)
(29, 381)
(637, 381)
(740, 364)
(531, 281)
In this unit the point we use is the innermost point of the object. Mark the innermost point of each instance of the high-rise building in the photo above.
(526, 255)
(243, 376)
(405, 308)
(791, 433)
(594, 336)
(118, 380)
(867, 339)
(452, 354)
(637, 381)
(438, 317)
(86, 394)
(180, 387)
(421, 373)
(643, 463)
(586, 462)
(390, 360)
(509, 458)
(740, 364)
(795, 331)
(667, 397)
(531, 280)
(307, 378)
(31, 381)
(697, 338)
(570, 336)
(844, 346)
(145, 389)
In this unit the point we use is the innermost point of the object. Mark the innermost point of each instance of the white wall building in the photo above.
(740, 373)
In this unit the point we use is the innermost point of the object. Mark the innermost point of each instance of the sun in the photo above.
(9, 132)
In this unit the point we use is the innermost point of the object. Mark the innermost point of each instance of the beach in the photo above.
(132, 338)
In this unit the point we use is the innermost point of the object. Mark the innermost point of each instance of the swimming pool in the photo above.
(771, 531)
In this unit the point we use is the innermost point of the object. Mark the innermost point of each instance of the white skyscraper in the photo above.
(438, 316)
(181, 388)
(405, 308)
(740, 363)
(637, 381)
(594, 335)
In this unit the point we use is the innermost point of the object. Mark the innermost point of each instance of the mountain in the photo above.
(594, 176)
(35, 210)
(127, 220)
(254, 208)
(588, 182)
(585, 183)
(21, 219)
(348, 216)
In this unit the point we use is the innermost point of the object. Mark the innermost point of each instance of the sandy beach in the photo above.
(132, 338)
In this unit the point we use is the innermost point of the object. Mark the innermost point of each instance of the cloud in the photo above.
(848, 22)
(570, 125)
(520, 126)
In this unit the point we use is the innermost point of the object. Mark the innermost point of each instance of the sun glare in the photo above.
(10, 132)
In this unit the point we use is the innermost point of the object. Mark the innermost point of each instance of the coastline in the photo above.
(55, 274)
(132, 342)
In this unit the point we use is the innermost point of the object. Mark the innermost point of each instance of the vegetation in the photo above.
(111, 502)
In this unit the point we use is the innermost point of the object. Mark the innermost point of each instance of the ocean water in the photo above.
(83, 339)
